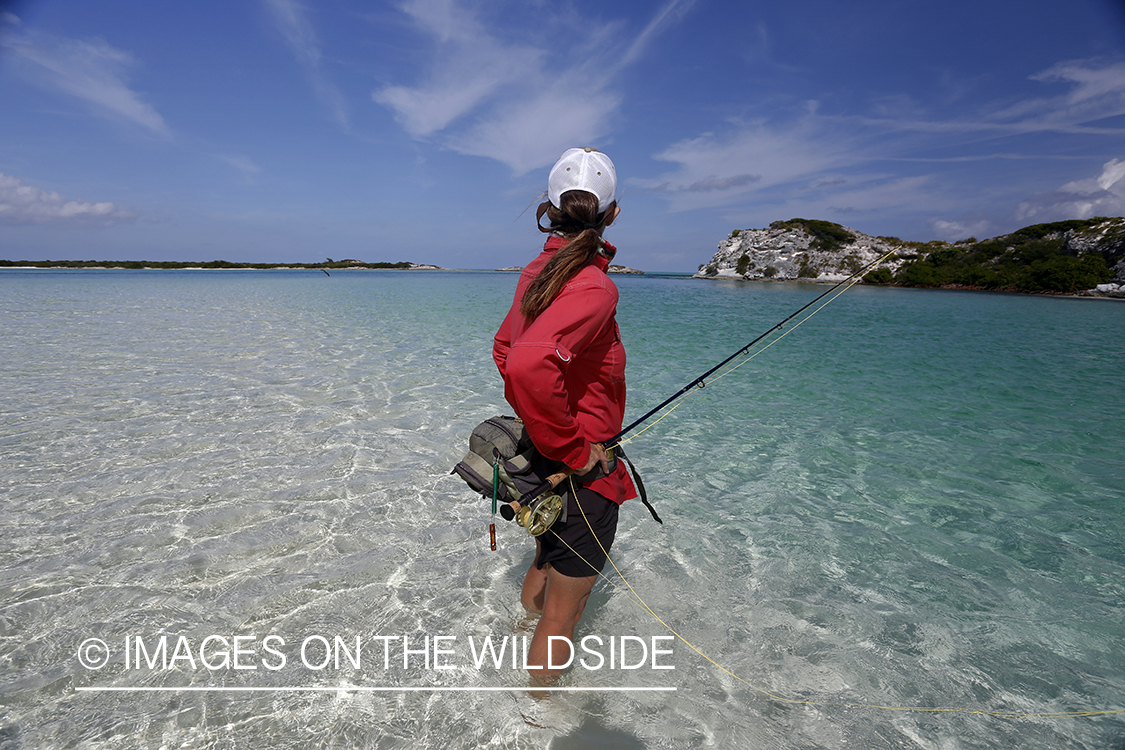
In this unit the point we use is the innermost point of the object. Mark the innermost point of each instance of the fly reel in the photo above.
(540, 514)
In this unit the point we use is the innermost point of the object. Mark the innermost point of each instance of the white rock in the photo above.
(785, 252)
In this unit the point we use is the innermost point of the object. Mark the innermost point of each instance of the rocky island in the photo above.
(1080, 256)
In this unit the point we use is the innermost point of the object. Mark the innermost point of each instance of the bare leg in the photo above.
(563, 603)
(534, 586)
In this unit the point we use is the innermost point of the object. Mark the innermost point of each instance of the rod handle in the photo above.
(510, 510)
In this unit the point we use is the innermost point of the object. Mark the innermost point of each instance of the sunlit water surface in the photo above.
(913, 500)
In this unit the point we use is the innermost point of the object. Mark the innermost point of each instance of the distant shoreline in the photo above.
(214, 265)
(1083, 294)
(69, 265)
(226, 266)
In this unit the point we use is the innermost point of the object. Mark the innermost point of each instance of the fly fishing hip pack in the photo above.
(503, 441)
(504, 465)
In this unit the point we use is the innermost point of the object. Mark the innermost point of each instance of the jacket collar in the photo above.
(554, 242)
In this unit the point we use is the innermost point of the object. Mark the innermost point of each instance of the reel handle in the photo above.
(512, 509)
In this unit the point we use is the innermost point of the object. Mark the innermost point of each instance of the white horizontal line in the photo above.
(366, 689)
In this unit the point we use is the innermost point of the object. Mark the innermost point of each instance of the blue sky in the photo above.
(272, 130)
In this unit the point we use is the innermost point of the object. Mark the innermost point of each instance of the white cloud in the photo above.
(1112, 172)
(530, 133)
(302, 40)
(24, 204)
(953, 230)
(1095, 91)
(1098, 86)
(471, 68)
(92, 71)
(474, 68)
(1103, 195)
(526, 104)
(243, 164)
(866, 199)
(673, 11)
(717, 170)
(869, 193)
(810, 161)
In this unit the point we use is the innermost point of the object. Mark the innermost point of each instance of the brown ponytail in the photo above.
(577, 218)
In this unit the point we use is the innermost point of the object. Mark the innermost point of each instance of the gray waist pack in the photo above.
(503, 440)
(522, 468)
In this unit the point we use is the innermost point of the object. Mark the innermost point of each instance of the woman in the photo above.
(560, 354)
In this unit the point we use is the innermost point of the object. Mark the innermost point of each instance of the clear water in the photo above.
(915, 499)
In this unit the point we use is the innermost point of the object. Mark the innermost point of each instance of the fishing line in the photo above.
(736, 360)
(797, 701)
(678, 397)
(746, 357)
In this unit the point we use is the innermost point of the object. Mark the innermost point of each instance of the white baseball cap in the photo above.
(583, 169)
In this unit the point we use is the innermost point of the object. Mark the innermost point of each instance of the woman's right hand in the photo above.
(598, 455)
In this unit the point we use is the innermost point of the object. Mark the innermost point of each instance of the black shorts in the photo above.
(584, 556)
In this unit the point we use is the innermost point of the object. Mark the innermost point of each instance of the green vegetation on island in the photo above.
(1060, 257)
(826, 235)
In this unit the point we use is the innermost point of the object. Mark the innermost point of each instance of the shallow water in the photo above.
(915, 499)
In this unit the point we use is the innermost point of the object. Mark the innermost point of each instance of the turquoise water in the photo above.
(915, 499)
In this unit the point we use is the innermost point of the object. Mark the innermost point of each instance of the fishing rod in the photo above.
(700, 381)
(537, 521)
(556, 479)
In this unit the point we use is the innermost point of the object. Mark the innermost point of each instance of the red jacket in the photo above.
(565, 373)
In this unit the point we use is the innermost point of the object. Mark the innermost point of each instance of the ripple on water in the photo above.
(881, 508)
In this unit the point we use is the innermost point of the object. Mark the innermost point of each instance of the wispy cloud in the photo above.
(839, 163)
(719, 169)
(243, 164)
(90, 70)
(301, 38)
(953, 230)
(527, 102)
(532, 132)
(1095, 91)
(25, 204)
(672, 12)
(470, 66)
